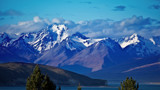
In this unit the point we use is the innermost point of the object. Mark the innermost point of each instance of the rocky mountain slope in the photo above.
(55, 46)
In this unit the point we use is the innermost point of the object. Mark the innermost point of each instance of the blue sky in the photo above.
(77, 10)
(94, 18)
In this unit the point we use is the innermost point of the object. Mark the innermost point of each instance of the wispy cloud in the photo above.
(146, 27)
(119, 8)
(11, 12)
(100, 28)
(28, 26)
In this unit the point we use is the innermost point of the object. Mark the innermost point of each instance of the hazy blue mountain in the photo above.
(22, 49)
(97, 56)
(4, 39)
(8, 56)
(144, 70)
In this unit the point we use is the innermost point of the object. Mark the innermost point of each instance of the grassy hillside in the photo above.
(15, 74)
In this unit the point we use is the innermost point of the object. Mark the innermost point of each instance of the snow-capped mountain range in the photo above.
(55, 46)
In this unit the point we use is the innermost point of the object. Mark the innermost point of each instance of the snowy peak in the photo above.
(140, 46)
(109, 43)
(58, 28)
(43, 40)
(133, 39)
(29, 37)
(79, 35)
(93, 56)
(4, 39)
(134, 36)
(61, 31)
(22, 49)
(86, 41)
(46, 38)
(73, 45)
(19, 43)
(3, 35)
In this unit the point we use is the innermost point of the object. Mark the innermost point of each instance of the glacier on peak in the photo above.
(61, 31)
(48, 37)
(133, 39)
(139, 45)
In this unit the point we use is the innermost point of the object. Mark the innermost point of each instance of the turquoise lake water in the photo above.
(111, 87)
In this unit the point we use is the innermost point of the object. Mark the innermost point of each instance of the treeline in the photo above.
(39, 81)
(129, 84)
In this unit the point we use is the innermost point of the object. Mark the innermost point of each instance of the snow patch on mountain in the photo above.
(133, 39)
(2, 37)
(46, 38)
(86, 41)
(61, 32)
(5, 39)
(73, 45)
(156, 39)
(151, 39)
(139, 46)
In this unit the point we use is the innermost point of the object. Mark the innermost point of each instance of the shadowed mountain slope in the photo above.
(15, 74)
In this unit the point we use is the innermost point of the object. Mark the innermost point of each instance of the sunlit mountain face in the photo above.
(100, 39)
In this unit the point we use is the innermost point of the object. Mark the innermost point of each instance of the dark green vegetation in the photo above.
(79, 87)
(37, 81)
(129, 84)
(16, 74)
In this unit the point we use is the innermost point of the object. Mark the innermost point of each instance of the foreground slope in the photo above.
(15, 74)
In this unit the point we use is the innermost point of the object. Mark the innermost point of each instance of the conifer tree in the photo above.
(28, 84)
(129, 84)
(47, 84)
(37, 81)
(79, 87)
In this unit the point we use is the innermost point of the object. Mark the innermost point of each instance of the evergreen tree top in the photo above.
(36, 69)
(129, 84)
(37, 81)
